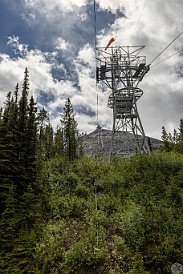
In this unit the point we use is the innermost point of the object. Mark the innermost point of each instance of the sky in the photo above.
(55, 40)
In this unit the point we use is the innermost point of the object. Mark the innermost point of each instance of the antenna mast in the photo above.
(121, 69)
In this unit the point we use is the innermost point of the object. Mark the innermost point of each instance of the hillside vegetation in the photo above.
(63, 212)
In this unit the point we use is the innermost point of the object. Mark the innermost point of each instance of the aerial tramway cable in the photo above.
(138, 20)
(166, 48)
(97, 101)
(166, 58)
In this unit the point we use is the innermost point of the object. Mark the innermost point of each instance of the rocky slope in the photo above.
(99, 141)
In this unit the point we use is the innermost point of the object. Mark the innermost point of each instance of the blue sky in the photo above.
(55, 41)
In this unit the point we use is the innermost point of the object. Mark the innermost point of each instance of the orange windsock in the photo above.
(110, 42)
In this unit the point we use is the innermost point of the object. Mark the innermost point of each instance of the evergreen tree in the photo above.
(9, 223)
(27, 144)
(175, 141)
(58, 143)
(32, 126)
(48, 141)
(18, 144)
(179, 145)
(42, 120)
(46, 136)
(23, 135)
(8, 148)
(167, 140)
(70, 132)
(23, 116)
(43, 154)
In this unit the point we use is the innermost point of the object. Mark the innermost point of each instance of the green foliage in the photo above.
(49, 250)
(70, 132)
(84, 254)
(61, 213)
(129, 211)
(173, 142)
(131, 224)
(18, 188)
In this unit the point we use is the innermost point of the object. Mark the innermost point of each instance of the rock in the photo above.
(99, 142)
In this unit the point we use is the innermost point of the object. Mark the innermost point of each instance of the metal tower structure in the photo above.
(121, 69)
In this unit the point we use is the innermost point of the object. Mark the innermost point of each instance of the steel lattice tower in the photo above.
(121, 69)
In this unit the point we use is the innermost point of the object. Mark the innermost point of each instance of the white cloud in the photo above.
(159, 24)
(40, 67)
(61, 44)
(86, 56)
(112, 6)
(87, 97)
(40, 70)
(17, 46)
(55, 4)
(83, 16)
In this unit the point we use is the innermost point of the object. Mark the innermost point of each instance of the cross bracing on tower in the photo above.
(121, 69)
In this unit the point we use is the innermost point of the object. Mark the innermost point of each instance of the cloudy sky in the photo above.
(55, 41)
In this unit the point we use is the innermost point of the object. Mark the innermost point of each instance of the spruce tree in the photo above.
(167, 144)
(31, 141)
(42, 120)
(9, 223)
(8, 149)
(175, 141)
(46, 136)
(70, 132)
(179, 145)
(23, 115)
(58, 143)
(27, 130)
(18, 144)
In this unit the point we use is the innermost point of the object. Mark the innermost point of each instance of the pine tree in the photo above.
(175, 141)
(8, 148)
(32, 124)
(70, 132)
(17, 232)
(20, 193)
(42, 120)
(27, 130)
(58, 143)
(46, 136)
(22, 135)
(9, 169)
(8, 227)
(179, 144)
(43, 154)
(167, 140)
(23, 103)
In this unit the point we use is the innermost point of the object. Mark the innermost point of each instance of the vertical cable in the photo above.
(95, 25)
(96, 209)
(95, 45)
